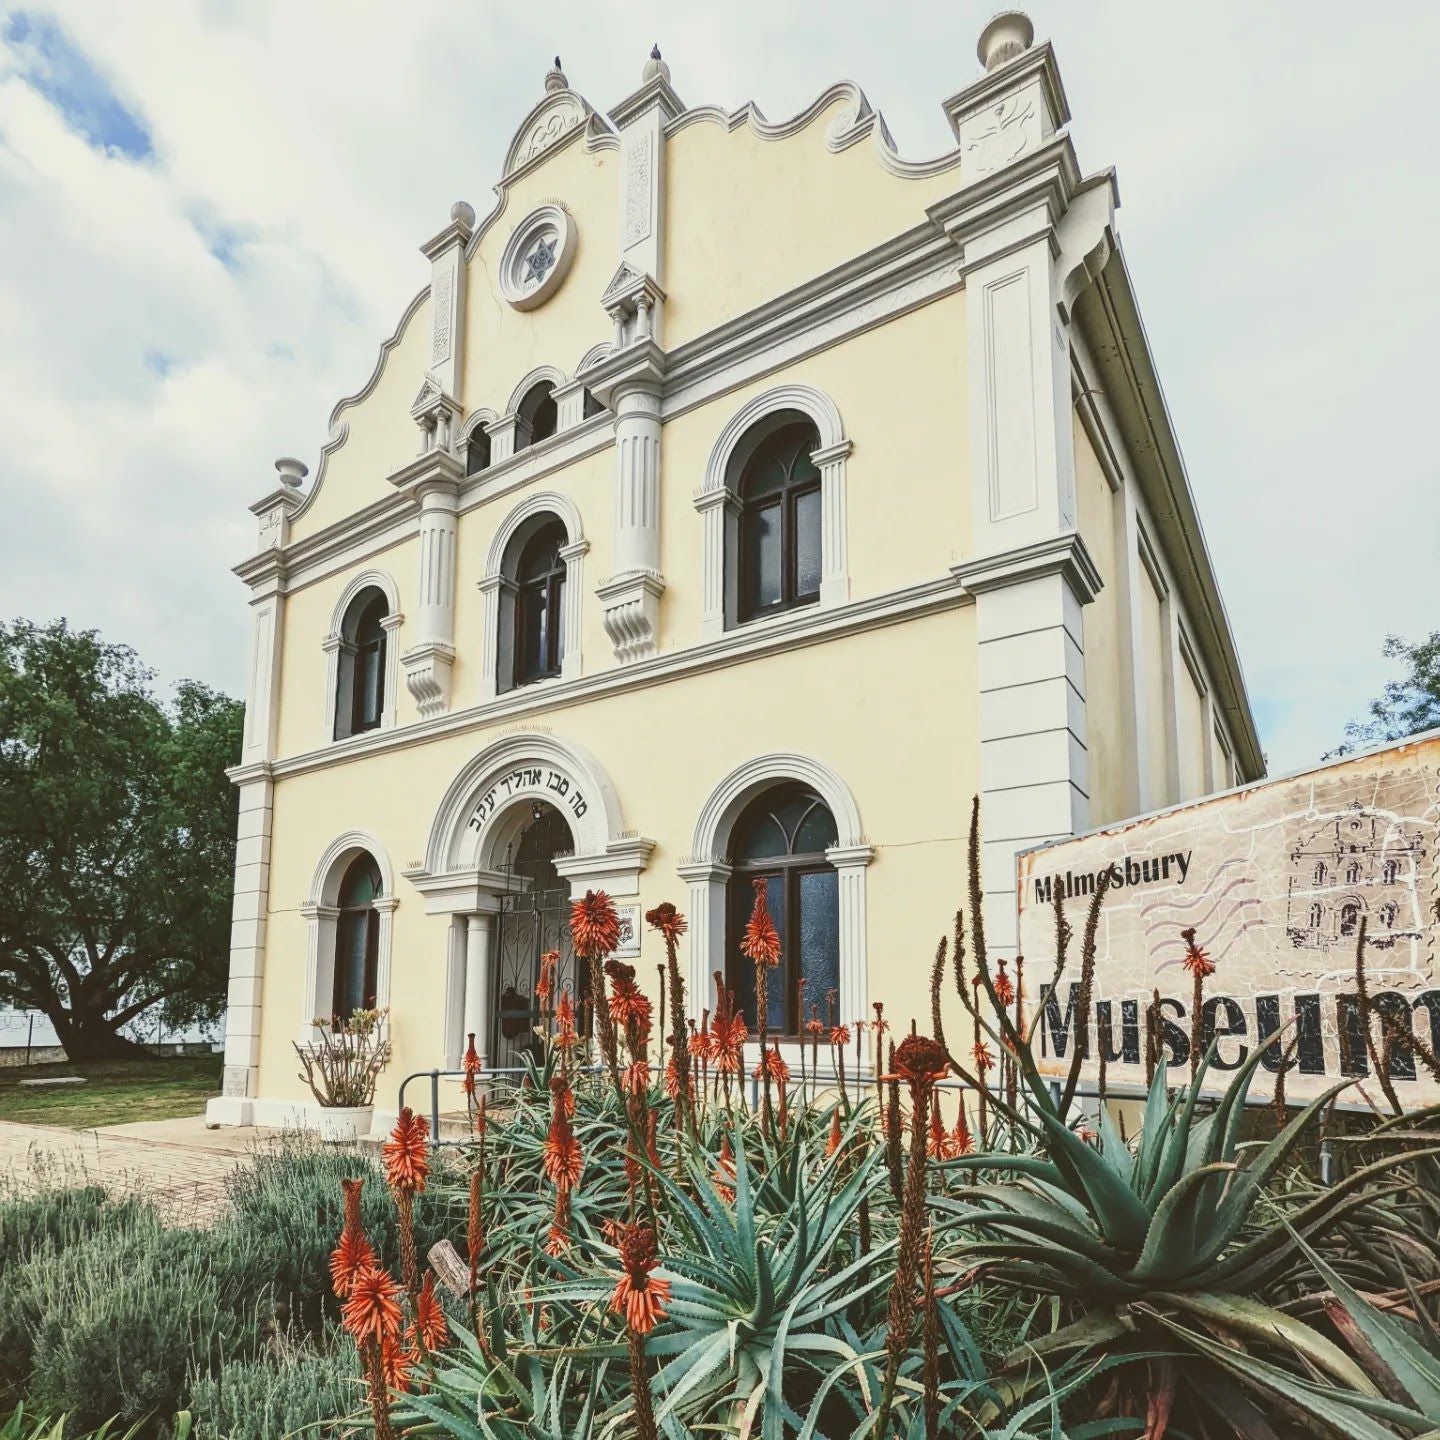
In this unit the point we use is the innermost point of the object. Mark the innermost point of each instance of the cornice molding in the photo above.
(1065, 554)
(798, 629)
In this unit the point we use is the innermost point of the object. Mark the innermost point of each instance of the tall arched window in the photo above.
(1387, 916)
(1349, 917)
(537, 416)
(1320, 873)
(778, 559)
(781, 838)
(357, 938)
(1352, 873)
(360, 675)
(1390, 872)
(539, 595)
(1317, 915)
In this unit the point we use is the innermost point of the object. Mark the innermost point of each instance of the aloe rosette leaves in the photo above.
(1161, 1242)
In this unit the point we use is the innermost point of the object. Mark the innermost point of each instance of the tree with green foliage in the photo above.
(117, 832)
(1406, 706)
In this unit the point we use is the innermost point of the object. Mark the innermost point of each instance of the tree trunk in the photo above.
(87, 1036)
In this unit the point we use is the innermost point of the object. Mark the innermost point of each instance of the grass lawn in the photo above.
(115, 1092)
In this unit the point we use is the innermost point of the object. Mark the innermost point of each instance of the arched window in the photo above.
(539, 587)
(360, 675)
(1320, 873)
(778, 546)
(1352, 873)
(357, 938)
(781, 838)
(477, 451)
(1387, 916)
(1317, 915)
(1349, 917)
(1390, 872)
(538, 415)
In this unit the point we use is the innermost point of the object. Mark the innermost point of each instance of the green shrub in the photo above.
(266, 1399)
(57, 1218)
(114, 1325)
(284, 1219)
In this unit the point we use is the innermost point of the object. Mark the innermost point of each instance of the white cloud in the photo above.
(172, 322)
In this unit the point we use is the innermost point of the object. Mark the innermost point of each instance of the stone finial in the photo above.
(291, 472)
(655, 66)
(1009, 34)
(464, 212)
(555, 78)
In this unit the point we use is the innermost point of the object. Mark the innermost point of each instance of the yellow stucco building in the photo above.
(736, 501)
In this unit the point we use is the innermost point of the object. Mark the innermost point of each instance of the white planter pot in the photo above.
(341, 1125)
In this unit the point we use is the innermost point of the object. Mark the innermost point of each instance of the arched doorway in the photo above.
(534, 918)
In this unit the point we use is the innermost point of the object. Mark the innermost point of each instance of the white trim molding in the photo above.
(708, 869)
(496, 588)
(334, 644)
(321, 911)
(718, 503)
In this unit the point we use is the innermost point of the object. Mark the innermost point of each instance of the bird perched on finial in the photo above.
(656, 66)
(557, 62)
(555, 80)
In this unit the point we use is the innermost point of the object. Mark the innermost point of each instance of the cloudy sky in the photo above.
(209, 214)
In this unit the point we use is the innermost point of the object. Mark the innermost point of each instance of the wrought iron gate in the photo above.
(534, 918)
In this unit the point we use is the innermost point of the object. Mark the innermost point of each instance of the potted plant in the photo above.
(342, 1068)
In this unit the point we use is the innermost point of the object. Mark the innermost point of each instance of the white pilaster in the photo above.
(719, 514)
(706, 914)
(265, 574)
(1030, 246)
(631, 597)
(446, 253)
(479, 929)
(433, 482)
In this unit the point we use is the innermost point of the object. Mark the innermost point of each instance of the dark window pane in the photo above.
(762, 557)
(820, 934)
(361, 883)
(351, 941)
(817, 830)
(764, 475)
(807, 544)
(370, 680)
(530, 662)
(761, 838)
(477, 453)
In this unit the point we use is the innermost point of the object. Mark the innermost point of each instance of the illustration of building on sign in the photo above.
(1361, 863)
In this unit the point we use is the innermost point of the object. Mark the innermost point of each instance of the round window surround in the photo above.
(537, 256)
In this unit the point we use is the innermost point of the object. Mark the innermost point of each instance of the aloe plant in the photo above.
(1402, 1372)
(1165, 1232)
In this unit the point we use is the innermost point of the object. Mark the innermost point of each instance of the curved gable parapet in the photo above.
(339, 427)
(554, 120)
(856, 121)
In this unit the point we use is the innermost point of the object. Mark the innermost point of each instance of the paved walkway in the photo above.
(177, 1164)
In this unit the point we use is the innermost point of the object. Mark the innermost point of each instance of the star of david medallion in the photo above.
(539, 261)
(537, 256)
